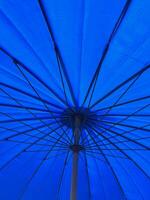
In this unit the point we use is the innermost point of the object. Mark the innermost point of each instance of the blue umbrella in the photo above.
(74, 100)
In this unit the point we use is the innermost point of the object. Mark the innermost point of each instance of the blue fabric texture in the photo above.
(64, 58)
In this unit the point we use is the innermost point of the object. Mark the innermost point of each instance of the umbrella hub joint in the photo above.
(77, 118)
(76, 148)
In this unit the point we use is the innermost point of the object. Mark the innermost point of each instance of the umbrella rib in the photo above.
(101, 145)
(145, 148)
(24, 142)
(62, 174)
(29, 95)
(89, 145)
(90, 149)
(56, 142)
(14, 141)
(125, 132)
(57, 52)
(21, 107)
(124, 103)
(35, 136)
(124, 141)
(37, 144)
(32, 128)
(120, 85)
(122, 115)
(125, 149)
(114, 30)
(127, 125)
(96, 151)
(16, 100)
(13, 130)
(21, 81)
(124, 119)
(100, 175)
(62, 81)
(116, 157)
(27, 42)
(121, 151)
(39, 166)
(66, 149)
(88, 139)
(55, 155)
(126, 90)
(24, 149)
(25, 133)
(110, 166)
(40, 150)
(31, 136)
(86, 142)
(85, 139)
(87, 171)
(50, 136)
(16, 61)
(127, 138)
(28, 119)
(88, 176)
(66, 77)
(92, 156)
(45, 105)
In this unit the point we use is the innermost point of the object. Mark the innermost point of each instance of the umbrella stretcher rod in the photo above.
(74, 177)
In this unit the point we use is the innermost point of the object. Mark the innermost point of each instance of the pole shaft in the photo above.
(74, 178)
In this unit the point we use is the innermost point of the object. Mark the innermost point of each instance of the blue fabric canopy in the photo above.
(62, 60)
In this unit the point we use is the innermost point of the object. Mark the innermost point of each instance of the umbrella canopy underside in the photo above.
(74, 80)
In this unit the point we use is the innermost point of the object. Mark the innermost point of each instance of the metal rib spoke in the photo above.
(111, 168)
(120, 85)
(27, 69)
(96, 74)
(39, 166)
(57, 52)
(29, 95)
(123, 153)
(123, 136)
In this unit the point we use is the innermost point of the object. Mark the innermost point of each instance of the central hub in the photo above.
(77, 120)
(76, 148)
(70, 117)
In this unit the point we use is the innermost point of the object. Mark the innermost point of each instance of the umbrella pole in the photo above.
(74, 177)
